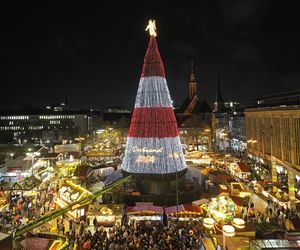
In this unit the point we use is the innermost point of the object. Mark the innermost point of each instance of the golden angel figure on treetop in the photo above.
(151, 27)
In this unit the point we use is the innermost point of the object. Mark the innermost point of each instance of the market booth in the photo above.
(240, 169)
(184, 213)
(70, 193)
(145, 212)
(244, 171)
(67, 167)
(239, 189)
(106, 214)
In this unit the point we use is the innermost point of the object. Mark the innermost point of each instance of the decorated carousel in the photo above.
(222, 209)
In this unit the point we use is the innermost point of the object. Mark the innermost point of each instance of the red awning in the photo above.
(191, 208)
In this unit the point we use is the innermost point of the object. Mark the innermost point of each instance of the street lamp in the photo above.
(227, 230)
(209, 223)
(238, 223)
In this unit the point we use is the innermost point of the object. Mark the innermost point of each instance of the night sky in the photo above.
(93, 54)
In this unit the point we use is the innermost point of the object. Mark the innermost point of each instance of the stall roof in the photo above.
(244, 167)
(221, 176)
(174, 209)
(275, 244)
(146, 207)
(21, 162)
(82, 170)
(97, 208)
(200, 202)
(239, 201)
(183, 208)
(34, 243)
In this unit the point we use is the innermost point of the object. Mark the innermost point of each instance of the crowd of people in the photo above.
(273, 213)
(22, 209)
(149, 236)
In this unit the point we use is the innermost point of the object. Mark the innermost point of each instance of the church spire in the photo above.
(192, 83)
(219, 103)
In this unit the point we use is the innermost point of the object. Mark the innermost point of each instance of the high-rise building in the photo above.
(42, 125)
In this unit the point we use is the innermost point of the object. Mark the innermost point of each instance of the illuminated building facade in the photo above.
(45, 126)
(273, 135)
(237, 129)
(228, 124)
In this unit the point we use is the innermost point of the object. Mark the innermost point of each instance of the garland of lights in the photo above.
(153, 92)
(153, 144)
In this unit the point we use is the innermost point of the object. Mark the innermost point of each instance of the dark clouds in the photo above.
(93, 54)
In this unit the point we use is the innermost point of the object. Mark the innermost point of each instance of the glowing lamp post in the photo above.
(208, 223)
(238, 223)
(228, 231)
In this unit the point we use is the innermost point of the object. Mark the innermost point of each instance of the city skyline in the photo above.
(92, 55)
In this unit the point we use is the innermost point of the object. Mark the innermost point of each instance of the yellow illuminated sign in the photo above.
(145, 159)
(147, 150)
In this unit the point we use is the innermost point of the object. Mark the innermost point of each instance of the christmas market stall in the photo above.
(66, 167)
(106, 215)
(240, 170)
(142, 213)
(24, 187)
(239, 189)
(184, 213)
(70, 193)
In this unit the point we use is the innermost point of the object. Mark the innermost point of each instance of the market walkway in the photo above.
(259, 203)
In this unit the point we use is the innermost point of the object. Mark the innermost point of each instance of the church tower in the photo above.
(192, 83)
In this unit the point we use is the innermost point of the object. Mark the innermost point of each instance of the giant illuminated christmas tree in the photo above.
(153, 150)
